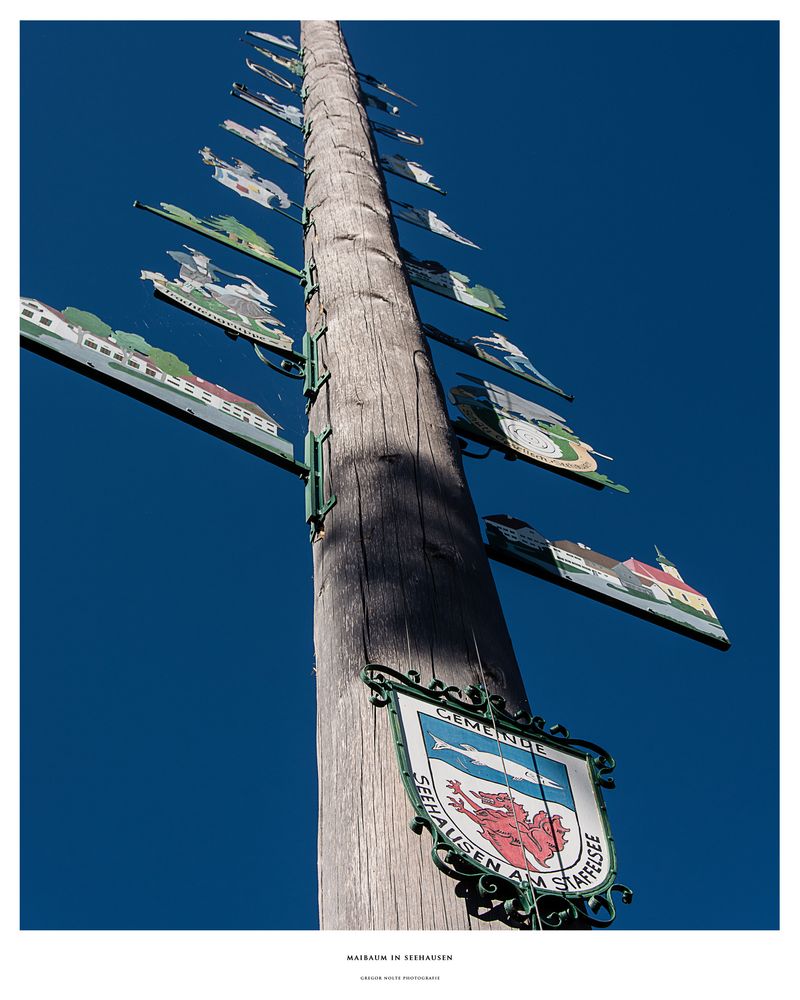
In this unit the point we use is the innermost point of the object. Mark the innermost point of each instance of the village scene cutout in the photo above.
(657, 592)
(128, 358)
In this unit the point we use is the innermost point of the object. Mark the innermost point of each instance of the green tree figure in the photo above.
(181, 214)
(232, 227)
(132, 342)
(87, 321)
(169, 363)
(166, 360)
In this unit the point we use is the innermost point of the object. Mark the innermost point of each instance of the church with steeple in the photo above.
(671, 582)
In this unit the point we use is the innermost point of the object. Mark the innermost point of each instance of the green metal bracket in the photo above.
(313, 380)
(304, 94)
(306, 130)
(307, 279)
(316, 504)
(307, 220)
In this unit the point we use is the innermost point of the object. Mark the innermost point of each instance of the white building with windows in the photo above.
(48, 319)
(193, 387)
(110, 349)
(223, 399)
(519, 532)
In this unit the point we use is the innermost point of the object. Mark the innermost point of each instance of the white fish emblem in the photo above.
(514, 770)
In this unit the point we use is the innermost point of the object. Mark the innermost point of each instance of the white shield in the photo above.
(523, 809)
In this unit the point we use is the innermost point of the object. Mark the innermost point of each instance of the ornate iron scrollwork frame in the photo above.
(529, 906)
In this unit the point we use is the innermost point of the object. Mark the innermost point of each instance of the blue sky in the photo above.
(622, 180)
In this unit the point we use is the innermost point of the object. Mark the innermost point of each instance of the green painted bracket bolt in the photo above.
(316, 504)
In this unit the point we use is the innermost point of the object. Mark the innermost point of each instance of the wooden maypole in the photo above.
(400, 573)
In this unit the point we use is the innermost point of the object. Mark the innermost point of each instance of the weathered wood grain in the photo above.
(400, 573)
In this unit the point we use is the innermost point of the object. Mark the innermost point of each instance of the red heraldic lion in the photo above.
(508, 828)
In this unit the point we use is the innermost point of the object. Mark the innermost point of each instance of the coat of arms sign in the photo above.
(515, 810)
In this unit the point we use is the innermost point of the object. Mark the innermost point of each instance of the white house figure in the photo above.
(49, 319)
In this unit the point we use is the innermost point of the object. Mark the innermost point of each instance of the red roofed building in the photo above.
(670, 580)
(231, 397)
